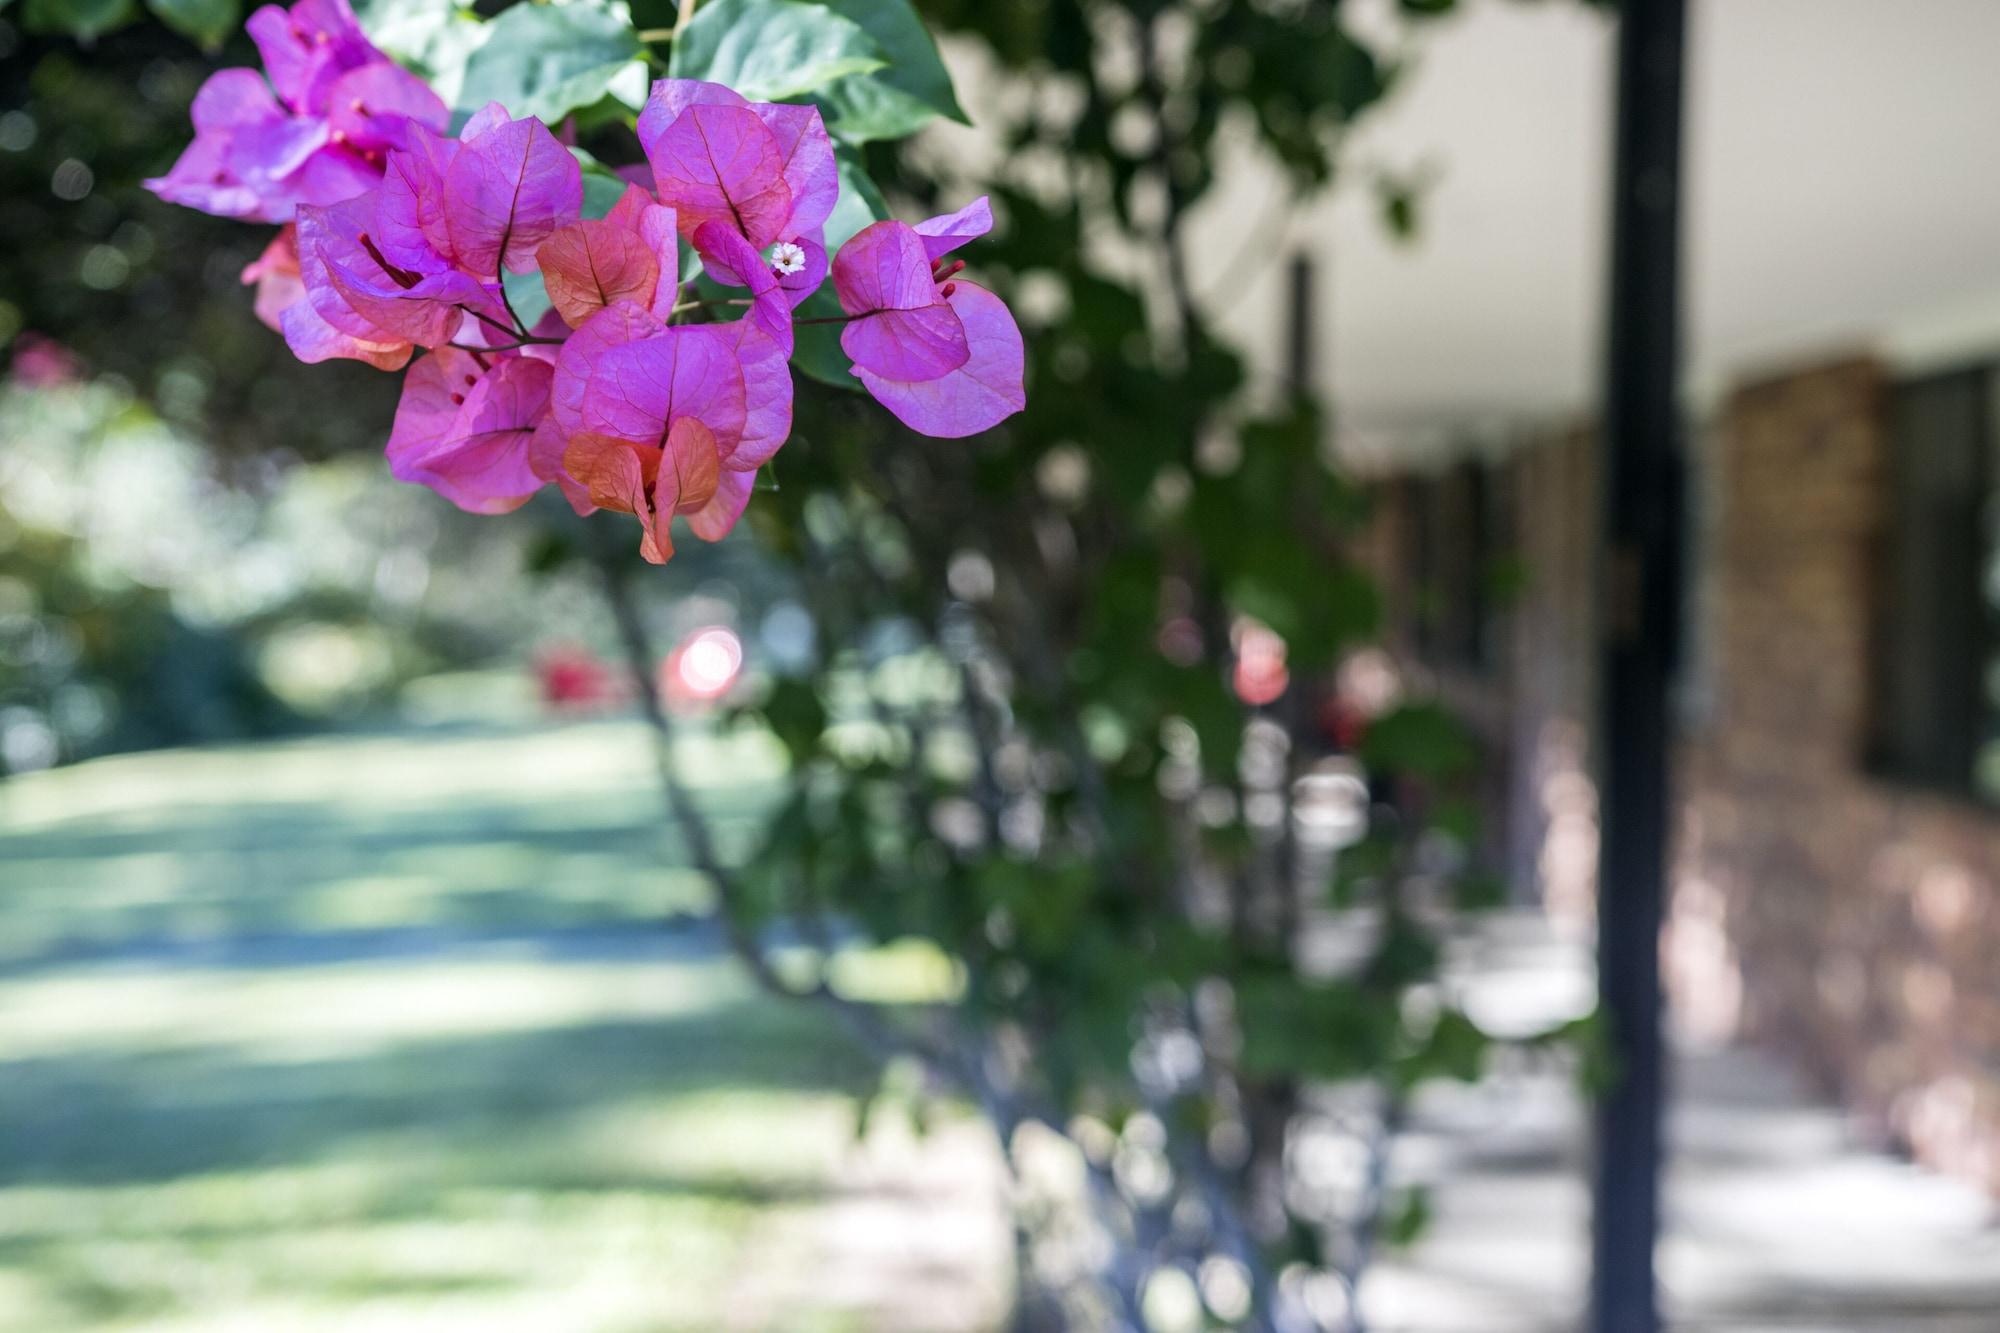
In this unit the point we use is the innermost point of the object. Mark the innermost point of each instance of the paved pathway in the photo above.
(1778, 1219)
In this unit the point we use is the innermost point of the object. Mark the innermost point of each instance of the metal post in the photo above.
(1299, 339)
(1640, 603)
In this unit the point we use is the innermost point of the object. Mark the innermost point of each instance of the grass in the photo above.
(401, 1031)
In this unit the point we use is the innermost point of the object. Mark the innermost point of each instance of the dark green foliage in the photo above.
(1409, 1219)
(1422, 740)
(772, 50)
(550, 60)
(138, 288)
(110, 669)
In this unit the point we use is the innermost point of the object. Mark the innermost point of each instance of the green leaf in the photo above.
(1329, 1030)
(527, 294)
(901, 99)
(771, 50)
(1418, 740)
(206, 22)
(602, 187)
(81, 19)
(435, 38)
(549, 60)
(1409, 1219)
(860, 202)
(796, 716)
(1455, 1049)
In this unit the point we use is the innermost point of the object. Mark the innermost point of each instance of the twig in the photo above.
(1367, 1228)
(861, 1019)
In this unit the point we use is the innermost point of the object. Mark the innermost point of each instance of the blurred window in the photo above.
(1459, 534)
(1937, 713)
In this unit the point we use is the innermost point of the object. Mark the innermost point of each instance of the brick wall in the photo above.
(1852, 918)
(1849, 922)
(1531, 703)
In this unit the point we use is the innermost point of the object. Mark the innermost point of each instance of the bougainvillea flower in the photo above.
(276, 275)
(370, 109)
(653, 420)
(630, 254)
(463, 429)
(764, 168)
(354, 289)
(307, 47)
(942, 235)
(731, 260)
(415, 262)
(798, 267)
(801, 266)
(681, 475)
(903, 328)
(339, 105)
(410, 225)
(977, 396)
(282, 304)
(506, 189)
(945, 356)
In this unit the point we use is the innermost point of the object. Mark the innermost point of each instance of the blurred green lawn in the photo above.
(418, 1031)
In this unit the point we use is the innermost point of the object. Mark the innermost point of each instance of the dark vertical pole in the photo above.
(1299, 326)
(1640, 569)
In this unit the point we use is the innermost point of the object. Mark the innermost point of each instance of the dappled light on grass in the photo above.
(475, 1145)
(286, 1043)
(465, 828)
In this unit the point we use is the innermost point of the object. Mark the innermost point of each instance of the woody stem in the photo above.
(508, 347)
(488, 319)
(704, 305)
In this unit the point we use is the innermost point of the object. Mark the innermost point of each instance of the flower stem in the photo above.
(507, 347)
(488, 319)
(704, 305)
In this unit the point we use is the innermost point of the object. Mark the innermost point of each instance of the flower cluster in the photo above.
(628, 393)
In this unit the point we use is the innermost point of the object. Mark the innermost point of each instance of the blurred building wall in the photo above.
(1857, 909)
(1839, 916)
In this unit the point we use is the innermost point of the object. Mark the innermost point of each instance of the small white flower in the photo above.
(787, 258)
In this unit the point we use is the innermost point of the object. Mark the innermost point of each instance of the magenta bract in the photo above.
(315, 134)
(978, 395)
(509, 186)
(463, 429)
(765, 169)
(945, 356)
(630, 254)
(655, 420)
(415, 261)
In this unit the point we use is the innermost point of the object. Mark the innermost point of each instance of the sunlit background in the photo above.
(351, 975)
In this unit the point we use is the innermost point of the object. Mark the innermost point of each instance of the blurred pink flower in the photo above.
(1260, 675)
(315, 133)
(40, 362)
